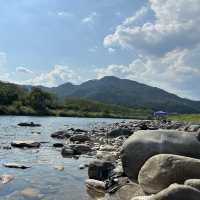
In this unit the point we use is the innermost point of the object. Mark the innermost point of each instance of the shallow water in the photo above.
(47, 182)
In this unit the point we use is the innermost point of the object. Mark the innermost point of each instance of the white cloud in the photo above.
(93, 49)
(176, 26)
(176, 72)
(89, 19)
(58, 75)
(24, 70)
(168, 47)
(64, 14)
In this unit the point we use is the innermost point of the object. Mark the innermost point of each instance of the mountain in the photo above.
(124, 92)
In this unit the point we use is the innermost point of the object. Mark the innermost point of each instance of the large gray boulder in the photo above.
(119, 132)
(174, 192)
(142, 145)
(162, 170)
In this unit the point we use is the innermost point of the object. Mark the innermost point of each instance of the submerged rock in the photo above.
(138, 148)
(25, 144)
(6, 178)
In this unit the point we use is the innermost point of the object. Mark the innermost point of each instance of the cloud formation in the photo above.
(24, 70)
(58, 75)
(168, 47)
(90, 18)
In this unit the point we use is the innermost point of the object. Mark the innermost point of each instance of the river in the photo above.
(42, 179)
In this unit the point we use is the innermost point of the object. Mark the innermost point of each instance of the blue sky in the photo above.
(50, 42)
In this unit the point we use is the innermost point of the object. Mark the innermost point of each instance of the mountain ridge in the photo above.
(125, 92)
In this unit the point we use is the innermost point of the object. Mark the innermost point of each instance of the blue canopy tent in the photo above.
(159, 114)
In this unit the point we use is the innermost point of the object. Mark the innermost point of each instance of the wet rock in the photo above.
(61, 135)
(138, 148)
(80, 138)
(58, 145)
(108, 156)
(16, 165)
(107, 148)
(80, 148)
(119, 132)
(162, 170)
(95, 185)
(27, 124)
(195, 183)
(6, 178)
(25, 144)
(78, 130)
(100, 170)
(193, 128)
(67, 152)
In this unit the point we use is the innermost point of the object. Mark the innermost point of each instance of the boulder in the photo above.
(119, 132)
(61, 135)
(99, 186)
(162, 170)
(195, 183)
(80, 138)
(100, 170)
(142, 145)
(25, 144)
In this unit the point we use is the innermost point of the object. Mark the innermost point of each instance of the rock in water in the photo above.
(60, 135)
(119, 132)
(25, 144)
(15, 165)
(100, 170)
(162, 170)
(27, 124)
(5, 178)
(142, 145)
(80, 138)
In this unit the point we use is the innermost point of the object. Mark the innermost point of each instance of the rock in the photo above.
(109, 156)
(79, 138)
(119, 132)
(144, 144)
(15, 165)
(100, 170)
(61, 135)
(31, 193)
(67, 151)
(99, 186)
(31, 124)
(127, 192)
(162, 170)
(80, 148)
(107, 148)
(78, 130)
(195, 183)
(6, 178)
(193, 128)
(59, 167)
(58, 145)
(25, 144)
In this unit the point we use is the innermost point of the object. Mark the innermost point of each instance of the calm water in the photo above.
(50, 183)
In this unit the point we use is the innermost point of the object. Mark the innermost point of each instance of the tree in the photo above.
(40, 100)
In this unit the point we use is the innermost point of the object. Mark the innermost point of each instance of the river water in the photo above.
(42, 179)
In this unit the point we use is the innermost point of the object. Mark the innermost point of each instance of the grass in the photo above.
(185, 117)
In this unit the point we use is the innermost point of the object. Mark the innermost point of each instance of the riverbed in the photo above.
(43, 181)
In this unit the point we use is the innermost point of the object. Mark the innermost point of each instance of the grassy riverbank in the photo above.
(185, 117)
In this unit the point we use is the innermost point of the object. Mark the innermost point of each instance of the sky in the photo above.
(50, 42)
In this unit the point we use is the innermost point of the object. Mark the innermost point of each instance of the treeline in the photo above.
(18, 100)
